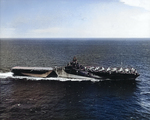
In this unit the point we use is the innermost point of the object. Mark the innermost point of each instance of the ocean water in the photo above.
(27, 98)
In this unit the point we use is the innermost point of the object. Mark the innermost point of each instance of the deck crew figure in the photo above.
(74, 59)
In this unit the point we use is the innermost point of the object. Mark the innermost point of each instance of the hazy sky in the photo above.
(75, 18)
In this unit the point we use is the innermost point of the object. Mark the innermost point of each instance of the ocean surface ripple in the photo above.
(28, 98)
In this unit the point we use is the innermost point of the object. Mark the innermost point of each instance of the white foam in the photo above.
(10, 75)
(143, 93)
(145, 104)
(6, 75)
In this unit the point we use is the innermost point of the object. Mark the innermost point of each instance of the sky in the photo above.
(74, 18)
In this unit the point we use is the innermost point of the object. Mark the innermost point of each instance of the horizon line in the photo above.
(77, 38)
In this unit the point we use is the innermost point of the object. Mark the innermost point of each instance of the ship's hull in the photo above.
(45, 72)
(102, 74)
(34, 71)
(70, 72)
(116, 76)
